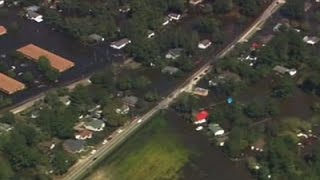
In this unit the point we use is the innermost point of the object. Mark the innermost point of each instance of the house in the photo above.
(125, 8)
(170, 70)
(283, 70)
(216, 129)
(201, 117)
(312, 40)
(258, 145)
(130, 100)
(200, 91)
(96, 38)
(94, 125)
(73, 145)
(3, 30)
(150, 34)
(35, 114)
(204, 44)
(120, 43)
(4, 127)
(65, 100)
(174, 16)
(174, 53)
(83, 134)
(166, 21)
(220, 140)
(195, 2)
(34, 16)
(32, 8)
(123, 110)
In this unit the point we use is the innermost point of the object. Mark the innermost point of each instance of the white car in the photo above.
(119, 131)
(104, 142)
(199, 128)
(93, 151)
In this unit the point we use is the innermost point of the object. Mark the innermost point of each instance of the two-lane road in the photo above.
(84, 165)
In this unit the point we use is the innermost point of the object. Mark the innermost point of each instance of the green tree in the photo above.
(28, 77)
(222, 6)
(293, 9)
(284, 88)
(61, 162)
(44, 64)
(8, 118)
(5, 170)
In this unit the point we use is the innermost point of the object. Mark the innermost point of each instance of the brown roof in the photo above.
(57, 62)
(9, 85)
(84, 133)
(3, 30)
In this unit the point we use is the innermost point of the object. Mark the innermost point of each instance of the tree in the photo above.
(8, 118)
(237, 141)
(248, 7)
(293, 9)
(151, 96)
(222, 6)
(52, 75)
(44, 64)
(61, 162)
(5, 169)
(284, 88)
(28, 77)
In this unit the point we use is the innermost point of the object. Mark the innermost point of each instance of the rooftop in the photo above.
(73, 146)
(9, 85)
(57, 62)
(3, 30)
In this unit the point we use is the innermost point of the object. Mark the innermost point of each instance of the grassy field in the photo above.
(153, 153)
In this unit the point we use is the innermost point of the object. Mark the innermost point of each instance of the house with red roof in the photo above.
(201, 117)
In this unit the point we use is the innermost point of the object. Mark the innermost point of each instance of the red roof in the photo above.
(255, 45)
(202, 115)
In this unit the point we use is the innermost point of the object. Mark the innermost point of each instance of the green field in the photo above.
(153, 153)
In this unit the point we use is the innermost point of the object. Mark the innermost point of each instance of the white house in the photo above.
(216, 129)
(311, 40)
(34, 16)
(94, 125)
(120, 43)
(204, 44)
(174, 16)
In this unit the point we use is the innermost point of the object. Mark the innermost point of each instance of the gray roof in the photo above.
(130, 100)
(170, 70)
(96, 123)
(176, 52)
(5, 127)
(281, 69)
(32, 8)
(73, 145)
(214, 127)
(121, 42)
(32, 14)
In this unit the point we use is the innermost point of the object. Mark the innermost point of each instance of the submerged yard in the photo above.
(154, 153)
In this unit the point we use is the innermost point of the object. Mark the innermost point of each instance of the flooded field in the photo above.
(188, 154)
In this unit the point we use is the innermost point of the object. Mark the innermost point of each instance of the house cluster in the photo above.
(32, 13)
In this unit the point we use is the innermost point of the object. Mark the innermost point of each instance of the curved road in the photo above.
(80, 169)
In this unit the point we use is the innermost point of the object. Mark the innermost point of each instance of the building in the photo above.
(201, 117)
(220, 140)
(307, 6)
(216, 129)
(195, 2)
(34, 52)
(124, 8)
(83, 134)
(94, 125)
(3, 30)
(130, 100)
(166, 21)
(174, 16)
(34, 16)
(32, 8)
(258, 145)
(65, 100)
(73, 145)
(200, 91)
(174, 53)
(170, 70)
(283, 70)
(312, 40)
(204, 44)
(9, 85)
(120, 43)
(4, 127)
(150, 34)
(123, 110)
(96, 38)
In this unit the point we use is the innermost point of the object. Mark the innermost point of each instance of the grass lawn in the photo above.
(153, 153)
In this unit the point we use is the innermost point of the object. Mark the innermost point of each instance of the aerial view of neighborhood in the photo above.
(159, 89)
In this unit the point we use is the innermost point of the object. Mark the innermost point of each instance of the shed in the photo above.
(120, 43)
(96, 37)
(174, 53)
(204, 44)
(34, 16)
(216, 129)
(283, 70)
(200, 91)
(174, 16)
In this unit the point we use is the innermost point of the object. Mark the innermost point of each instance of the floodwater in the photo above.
(87, 59)
(209, 162)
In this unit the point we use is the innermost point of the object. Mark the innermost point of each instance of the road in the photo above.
(84, 165)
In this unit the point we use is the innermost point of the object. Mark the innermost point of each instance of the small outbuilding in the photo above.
(204, 44)
(174, 53)
(96, 38)
(216, 129)
(283, 70)
(120, 43)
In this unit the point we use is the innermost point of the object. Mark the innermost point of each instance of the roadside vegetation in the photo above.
(153, 153)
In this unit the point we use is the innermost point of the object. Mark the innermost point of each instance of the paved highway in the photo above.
(82, 166)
